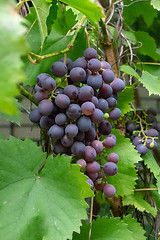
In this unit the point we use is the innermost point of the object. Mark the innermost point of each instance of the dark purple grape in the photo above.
(89, 181)
(93, 167)
(82, 162)
(115, 95)
(90, 53)
(106, 91)
(77, 74)
(98, 146)
(151, 111)
(150, 119)
(71, 91)
(80, 62)
(66, 141)
(87, 108)
(94, 100)
(142, 150)
(46, 122)
(108, 76)
(130, 127)
(85, 93)
(92, 176)
(105, 65)
(80, 136)
(99, 184)
(71, 130)
(41, 95)
(100, 175)
(105, 127)
(115, 114)
(49, 84)
(62, 101)
(73, 111)
(109, 142)
(152, 133)
(78, 149)
(68, 61)
(84, 123)
(156, 125)
(60, 119)
(102, 105)
(140, 113)
(117, 85)
(91, 134)
(56, 132)
(110, 168)
(90, 154)
(58, 69)
(137, 140)
(151, 144)
(94, 80)
(94, 65)
(35, 116)
(97, 116)
(112, 102)
(45, 107)
(55, 109)
(59, 148)
(37, 88)
(113, 157)
(41, 77)
(59, 91)
(109, 190)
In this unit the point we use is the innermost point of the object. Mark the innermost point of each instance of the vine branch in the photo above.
(25, 93)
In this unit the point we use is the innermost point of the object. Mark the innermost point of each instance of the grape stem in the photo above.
(145, 189)
(28, 95)
(67, 49)
(19, 5)
(91, 216)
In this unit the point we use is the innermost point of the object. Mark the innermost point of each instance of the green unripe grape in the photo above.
(106, 115)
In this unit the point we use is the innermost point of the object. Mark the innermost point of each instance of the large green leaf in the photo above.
(156, 4)
(42, 12)
(49, 205)
(150, 82)
(158, 183)
(151, 163)
(112, 229)
(92, 11)
(124, 180)
(129, 70)
(12, 44)
(137, 200)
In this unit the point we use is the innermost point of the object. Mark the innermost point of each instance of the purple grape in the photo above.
(46, 122)
(151, 111)
(92, 176)
(117, 85)
(90, 53)
(142, 150)
(112, 102)
(82, 162)
(99, 184)
(93, 167)
(71, 91)
(109, 142)
(68, 61)
(35, 116)
(94, 100)
(89, 181)
(105, 127)
(56, 132)
(130, 127)
(78, 149)
(41, 95)
(59, 148)
(94, 80)
(136, 141)
(102, 105)
(110, 168)
(94, 65)
(151, 144)
(109, 190)
(115, 114)
(40, 78)
(108, 76)
(80, 62)
(62, 101)
(85, 93)
(98, 146)
(80, 136)
(48, 84)
(97, 116)
(37, 88)
(152, 133)
(73, 111)
(115, 95)
(71, 130)
(87, 108)
(58, 69)
(105, 65)
(100, 175)
(45, 107)
(113, 157)
(106, 91)
(77, 74)
(60, 119)
(84, 123)
(66, 141)
(150, 119)
(90, 154)
(55, 109)
(91, 134)
(59, 91)
(156, 125)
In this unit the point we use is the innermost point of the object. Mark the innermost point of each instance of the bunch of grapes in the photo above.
(77, 116)
(143, 130)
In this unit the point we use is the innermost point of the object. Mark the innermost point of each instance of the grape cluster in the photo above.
(143, 130)
(77, 116)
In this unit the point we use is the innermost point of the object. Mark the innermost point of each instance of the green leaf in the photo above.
(137, 200)
(12, 47)
(129, 70)
(132, 12)
(42, 11)
(155, 195)
(104, 228)
(92, 11)
(151, 83)
(158, 183)
(151, 163)
(49, 205)
(2, 136)
(125, 98)
(124, 180)
(156, 4)
(152, 69)
(147, 41)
